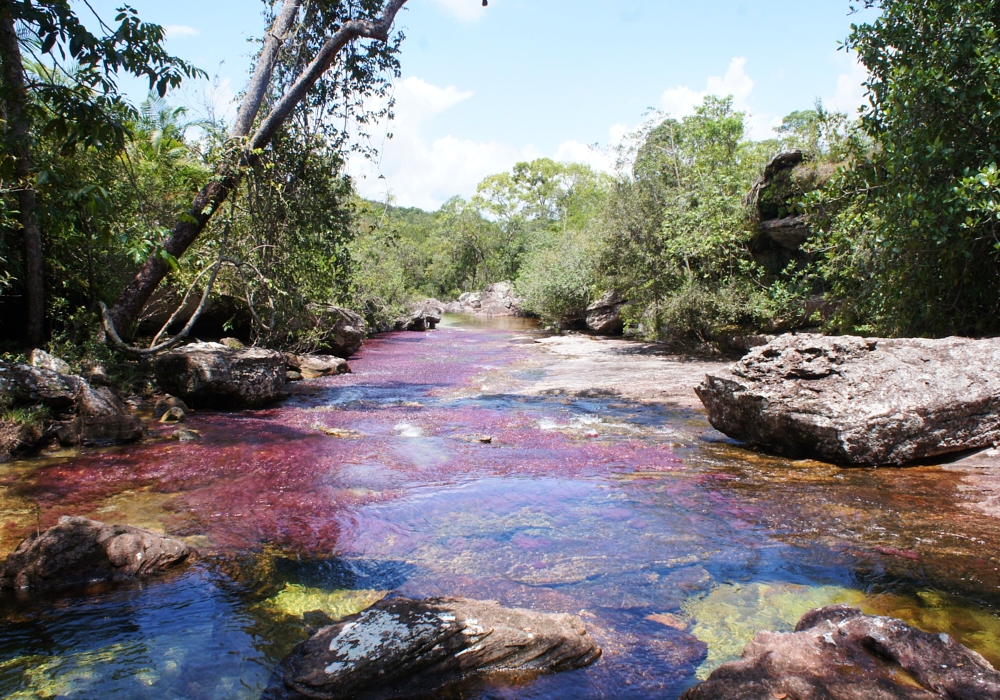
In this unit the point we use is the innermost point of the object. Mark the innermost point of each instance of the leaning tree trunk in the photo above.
(138, 291)
(15, 94)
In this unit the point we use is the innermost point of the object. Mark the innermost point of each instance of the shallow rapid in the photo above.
(435, 469)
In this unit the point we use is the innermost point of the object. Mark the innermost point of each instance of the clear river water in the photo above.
(674, 544)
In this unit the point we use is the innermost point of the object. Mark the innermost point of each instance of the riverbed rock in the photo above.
(26, 385)
(423, 316)
(496, 299)
(838, 653)
(604, 316)
(210, 374)
(402, 648)
(78, 551)
(165, 403)
(313, 366)
(101, 430)
(860, 401)
(338, 331)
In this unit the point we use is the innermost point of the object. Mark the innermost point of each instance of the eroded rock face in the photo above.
(78, 551)
(210, 374)
(838, 653)
(402, 647)
(496, 299)
(865, 401)
(313, 366)
(101, 430)
(342, 332)
(423, 316)
(604, 316)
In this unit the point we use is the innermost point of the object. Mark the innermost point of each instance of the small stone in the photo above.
(293, 376)
(233, 343)
(486, 439)
(342, 433)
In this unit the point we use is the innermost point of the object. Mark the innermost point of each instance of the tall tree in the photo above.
(85, 110)
(338, 25)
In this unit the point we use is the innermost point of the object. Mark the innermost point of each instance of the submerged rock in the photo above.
(210, 374)
(78, 551)
(604, 316)
(855, 400)
(838, 653)
(163, 405)
(402, 647)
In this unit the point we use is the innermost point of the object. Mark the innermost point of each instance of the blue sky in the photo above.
(485, 87)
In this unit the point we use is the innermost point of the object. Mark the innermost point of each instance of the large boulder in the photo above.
(403, 648)
(313, 366)
(838, 653)
(423, 316)
(101, 430)
(210, 374)
(500, 300)
(78, 551)
(338, 331)
(864, 401)
(604, 316)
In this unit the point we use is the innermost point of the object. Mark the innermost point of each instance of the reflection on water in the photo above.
(673, 544)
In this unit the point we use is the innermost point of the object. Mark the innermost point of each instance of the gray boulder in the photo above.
(604, 316)
(338, 331)
(838, 653)
(403, 648)
(210, 374)
(423, 316)
(500, 300)
(78, 551)
(101, 430)
(43, 360)
(313, 366)
(864, 401)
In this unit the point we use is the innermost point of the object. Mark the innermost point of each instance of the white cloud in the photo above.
(177, 31)
(850, 94)
(423, 173)
(465, 11)
(596, 157)
(681, 101)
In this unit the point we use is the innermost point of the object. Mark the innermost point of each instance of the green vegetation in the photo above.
(901, 205)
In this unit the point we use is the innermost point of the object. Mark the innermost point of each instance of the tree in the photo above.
(81, 108)
(315, 45)
(914, 245)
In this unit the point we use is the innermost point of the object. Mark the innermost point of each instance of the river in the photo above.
(438, 468)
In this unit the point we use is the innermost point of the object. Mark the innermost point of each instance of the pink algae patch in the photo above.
(273, 477)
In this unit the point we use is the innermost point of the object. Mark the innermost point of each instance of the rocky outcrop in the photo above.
(337, 331)
(837, 653)
(789, 232)
(423, 316)
(210, 374)
(604, 316)
(865, 401)
(78, 551)
(91, 415)
(403, 648)
(313, 366)
(43, 360)
(495, 300)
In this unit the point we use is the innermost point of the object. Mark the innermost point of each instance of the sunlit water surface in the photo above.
(674, 544)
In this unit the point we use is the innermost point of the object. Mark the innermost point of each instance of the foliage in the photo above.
(910, 240)
(678, 235)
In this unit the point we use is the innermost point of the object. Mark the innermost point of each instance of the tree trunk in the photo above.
(138, 291)
(15, 95)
